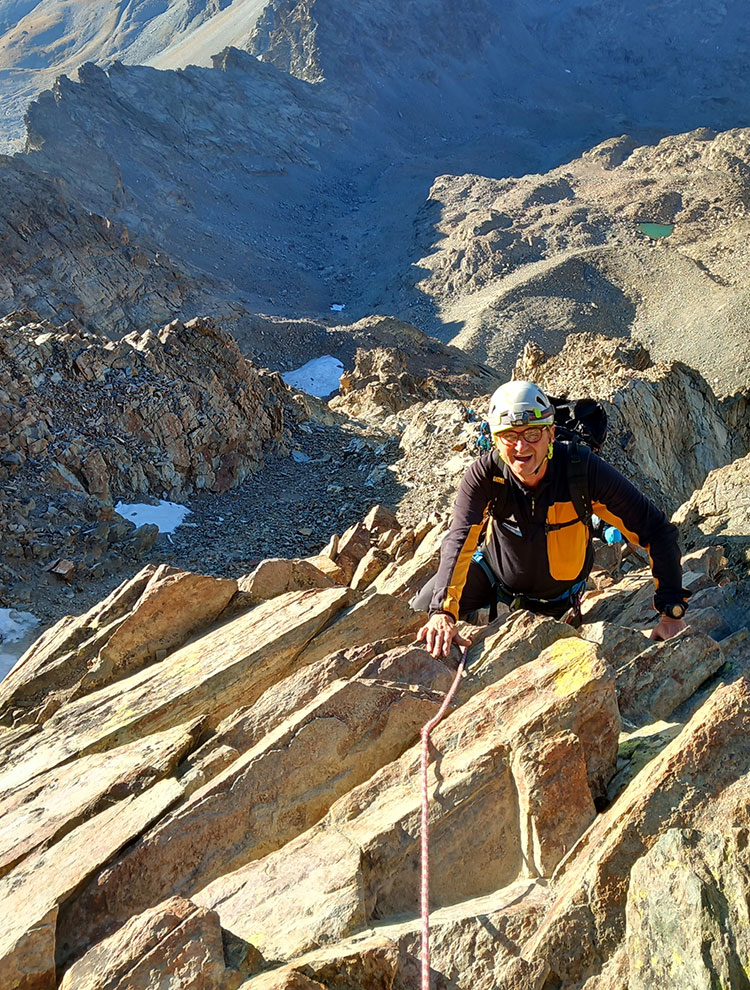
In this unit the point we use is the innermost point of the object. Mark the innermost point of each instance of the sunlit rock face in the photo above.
(188, 762)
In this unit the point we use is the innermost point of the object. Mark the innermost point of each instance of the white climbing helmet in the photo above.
(519, 404)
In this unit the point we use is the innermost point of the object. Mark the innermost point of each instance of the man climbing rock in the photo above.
(521, 529)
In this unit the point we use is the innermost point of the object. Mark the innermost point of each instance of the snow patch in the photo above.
(318, 377)
(15, 628)
(166, 515)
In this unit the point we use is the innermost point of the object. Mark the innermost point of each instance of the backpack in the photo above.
(582, 425)
(583, 420)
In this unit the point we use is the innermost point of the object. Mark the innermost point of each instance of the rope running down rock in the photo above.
(425, 898)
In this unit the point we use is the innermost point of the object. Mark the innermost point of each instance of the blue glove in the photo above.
(612, 535)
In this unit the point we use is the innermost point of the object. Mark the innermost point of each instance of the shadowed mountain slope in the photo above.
(286, 196)
(41, 39)
(542, 256)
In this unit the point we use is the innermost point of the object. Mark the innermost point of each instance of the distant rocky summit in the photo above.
(43, 39)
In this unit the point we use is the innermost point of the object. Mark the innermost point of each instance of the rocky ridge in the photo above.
(66, 263)
(222, 413)
(540, 256)
(317, 186)
(666, 428)
(43, 39)
(165, 812)
(179, 414)
(85, 421)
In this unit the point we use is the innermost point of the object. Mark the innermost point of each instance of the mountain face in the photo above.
(626, 240)
(289, 193)
(42, 39)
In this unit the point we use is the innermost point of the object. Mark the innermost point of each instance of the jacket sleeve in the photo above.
(619, 503)
(461, 540)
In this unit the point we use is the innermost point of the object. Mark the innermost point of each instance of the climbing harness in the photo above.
(425, 889)
(572, 596)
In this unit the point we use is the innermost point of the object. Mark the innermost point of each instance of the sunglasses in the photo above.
(511, 437)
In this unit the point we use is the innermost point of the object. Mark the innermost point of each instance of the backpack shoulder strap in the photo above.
(500, 487)
(578, 481)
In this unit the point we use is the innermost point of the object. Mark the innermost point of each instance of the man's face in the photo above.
(525, 452)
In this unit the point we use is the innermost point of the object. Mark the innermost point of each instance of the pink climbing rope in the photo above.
(426, 823)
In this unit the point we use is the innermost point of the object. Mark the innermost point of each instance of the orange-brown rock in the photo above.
(209, 677)
(352, 546)
(492, 822)
(586, 921)
(144, 619)
(176, 945)
(276, 576)
(373, 562)
(33, 891)
(265, 797)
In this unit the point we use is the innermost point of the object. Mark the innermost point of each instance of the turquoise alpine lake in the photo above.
(656, 230)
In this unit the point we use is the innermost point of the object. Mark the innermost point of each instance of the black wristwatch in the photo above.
(674, 611)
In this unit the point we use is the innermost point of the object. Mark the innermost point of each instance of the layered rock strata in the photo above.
(201, 778)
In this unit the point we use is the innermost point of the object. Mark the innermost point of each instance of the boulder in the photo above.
(145, 618)
(176, 946)
(586, 920)
(687, 912)
(352, 546)
(209, 677)
(720, 511)
(373, 563)
(380, 519)
(655, 682)
(277, 576)
(326, 564)
(263, 799)
(516, 769)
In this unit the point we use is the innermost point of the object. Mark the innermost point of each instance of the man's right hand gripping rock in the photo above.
(439, 633)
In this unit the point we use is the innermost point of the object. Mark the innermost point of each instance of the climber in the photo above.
(483, 442)
(521, 528)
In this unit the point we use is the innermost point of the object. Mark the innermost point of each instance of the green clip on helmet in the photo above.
(519, 404)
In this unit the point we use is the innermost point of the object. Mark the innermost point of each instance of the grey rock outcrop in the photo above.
(687, 917)
(666, 428)
(65, 262)
(542, 256)
(176, 410)
(720, 510)
(84, 421)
